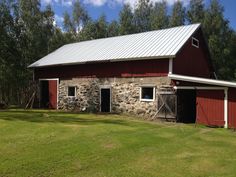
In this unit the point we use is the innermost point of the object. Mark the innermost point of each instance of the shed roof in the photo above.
(154, 44)
(202, 80)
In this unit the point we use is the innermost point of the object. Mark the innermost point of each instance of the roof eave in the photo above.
(202, 80)
(103, 61)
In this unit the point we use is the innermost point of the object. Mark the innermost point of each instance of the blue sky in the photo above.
(111, 8)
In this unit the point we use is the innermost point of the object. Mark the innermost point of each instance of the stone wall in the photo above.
(125, 94)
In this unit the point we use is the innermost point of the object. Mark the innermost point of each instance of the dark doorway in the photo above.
(48, 94)
(186, 106)
(105, 100)
(44, 94)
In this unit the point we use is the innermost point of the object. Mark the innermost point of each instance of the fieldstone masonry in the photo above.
(125, 94)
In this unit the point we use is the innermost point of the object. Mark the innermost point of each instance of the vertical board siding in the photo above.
(52, 85)
(210, 107)
(192, 61)
(232, 107)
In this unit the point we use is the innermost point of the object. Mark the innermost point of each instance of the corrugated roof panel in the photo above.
(153, 44)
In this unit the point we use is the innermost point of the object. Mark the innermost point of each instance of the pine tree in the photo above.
(113, 29)
(68, 24)
(218, 33)
(95, 29)
(178, 14)
(142, 15)
(126, 20)
(159, 17)
(89, 31)
(196, 11)
(8, 51)
(101, 27)
(80, 16)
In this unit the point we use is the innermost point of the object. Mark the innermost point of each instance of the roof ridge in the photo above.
(134, 34)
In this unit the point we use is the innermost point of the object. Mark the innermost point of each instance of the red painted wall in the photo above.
(141, 68)
(210, 107)
(192, 61)
(52, 85)
(232, 107)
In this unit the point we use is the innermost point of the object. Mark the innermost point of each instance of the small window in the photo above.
(195, 42)
(71, 91)
(147, 94)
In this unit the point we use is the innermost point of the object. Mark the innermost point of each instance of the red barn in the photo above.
(165, 74)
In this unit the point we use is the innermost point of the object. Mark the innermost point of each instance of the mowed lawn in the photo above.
(43, 143)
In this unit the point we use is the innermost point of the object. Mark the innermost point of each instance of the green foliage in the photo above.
(159, 17)
(80, 15)
(95, 29)
(8, 46)
(142, 15)
(126, 20)
(113, 29)
(73, 25)
(89, 31)
(68, 24)
(196, 11)
(220, 37)
(177, 17)
(101, 27)
(25, 35)
(59, 39)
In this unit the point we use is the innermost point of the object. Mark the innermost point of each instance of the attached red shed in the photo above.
(210, 107)
(215, 99)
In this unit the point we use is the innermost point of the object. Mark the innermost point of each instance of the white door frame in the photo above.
(100, 95)
(49, 79)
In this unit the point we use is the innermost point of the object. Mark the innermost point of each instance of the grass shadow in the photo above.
(42, 116)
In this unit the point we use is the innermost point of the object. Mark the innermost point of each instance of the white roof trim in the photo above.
(202, 80)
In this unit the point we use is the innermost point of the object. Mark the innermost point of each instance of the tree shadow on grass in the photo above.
(60, 117)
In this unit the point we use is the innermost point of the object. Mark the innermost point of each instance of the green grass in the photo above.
(42, 143)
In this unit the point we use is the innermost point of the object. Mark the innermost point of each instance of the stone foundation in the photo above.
(125, 93)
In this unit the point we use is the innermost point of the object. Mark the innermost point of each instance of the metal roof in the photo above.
(202, 80)
(154, 44)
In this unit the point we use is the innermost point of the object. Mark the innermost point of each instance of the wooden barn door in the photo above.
(52, 89)
(48, 94)
(210, 107)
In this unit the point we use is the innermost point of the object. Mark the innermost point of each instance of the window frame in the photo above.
(195, 40)
(74, 90)
(144, 99)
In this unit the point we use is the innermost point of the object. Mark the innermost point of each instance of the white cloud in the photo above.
(46, 1)
(131, 2)
(110, 3)
(59, 2)
(95, 2)
(59, 18)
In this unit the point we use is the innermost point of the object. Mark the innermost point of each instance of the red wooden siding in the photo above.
(210, 107)
(52, 86)
(142, 68)
(232, 107)
(192, 61)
